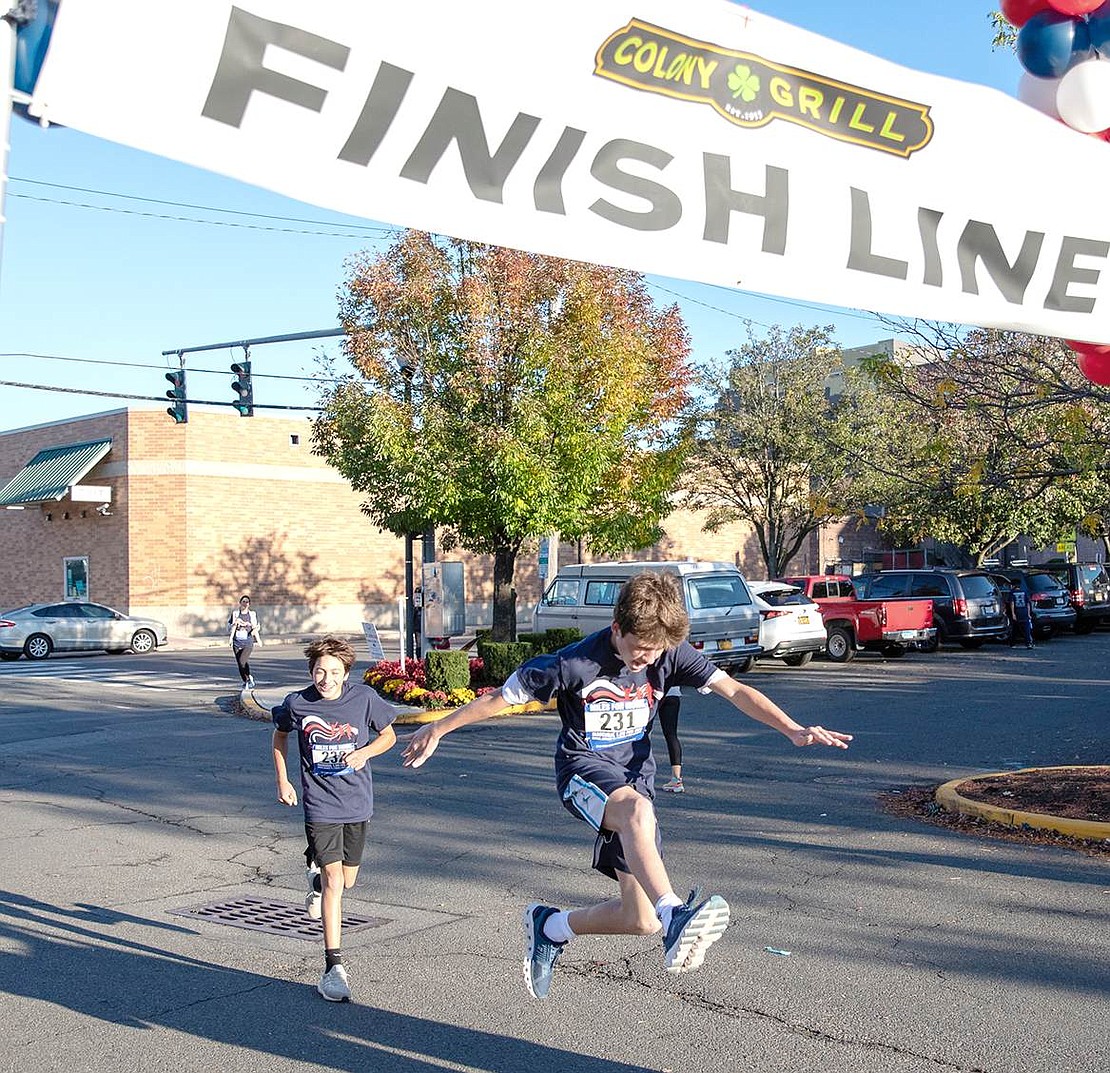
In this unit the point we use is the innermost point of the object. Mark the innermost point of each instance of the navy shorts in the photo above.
(334, 843)
(584, 784)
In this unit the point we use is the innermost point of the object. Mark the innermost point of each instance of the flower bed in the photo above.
(410, 686)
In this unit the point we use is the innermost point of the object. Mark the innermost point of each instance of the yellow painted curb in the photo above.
(415, 718)
(948, 797)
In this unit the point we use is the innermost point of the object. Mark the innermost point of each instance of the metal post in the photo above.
(406, 625)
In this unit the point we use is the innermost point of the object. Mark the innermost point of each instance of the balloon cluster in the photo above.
(1064, 46)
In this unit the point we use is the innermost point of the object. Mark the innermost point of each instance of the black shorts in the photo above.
(335, 843)
(584, 785)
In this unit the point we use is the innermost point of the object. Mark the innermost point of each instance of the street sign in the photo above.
(373, 642)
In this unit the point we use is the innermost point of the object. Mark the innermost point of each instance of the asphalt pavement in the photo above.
(141, 817)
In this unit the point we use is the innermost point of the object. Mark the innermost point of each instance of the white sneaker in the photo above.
(250, 681)
(313, 900)
(333, 985)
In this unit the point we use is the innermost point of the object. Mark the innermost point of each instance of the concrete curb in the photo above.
(948, 797)
(253, 708)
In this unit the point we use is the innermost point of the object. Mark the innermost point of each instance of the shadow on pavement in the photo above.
(64, 957)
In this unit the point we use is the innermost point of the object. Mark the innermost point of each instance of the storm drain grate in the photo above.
(276, 918)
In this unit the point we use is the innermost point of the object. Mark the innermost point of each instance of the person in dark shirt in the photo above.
(339, 727)
(607, 687)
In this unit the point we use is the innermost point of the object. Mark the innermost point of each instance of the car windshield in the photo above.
(710, 592)
(783, 597)
(1042, 583)
(977, 585)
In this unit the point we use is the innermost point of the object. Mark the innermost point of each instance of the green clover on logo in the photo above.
(743, 83)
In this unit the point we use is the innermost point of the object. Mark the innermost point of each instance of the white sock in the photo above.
(557, 927)
(663, 908)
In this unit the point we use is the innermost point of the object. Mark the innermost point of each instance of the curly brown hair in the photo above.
(650, 605)
(331, 646)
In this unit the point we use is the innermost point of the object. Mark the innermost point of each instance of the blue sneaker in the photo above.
(540, 952)
(695, 926)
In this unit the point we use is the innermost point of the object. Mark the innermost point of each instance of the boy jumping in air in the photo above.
(608, 686)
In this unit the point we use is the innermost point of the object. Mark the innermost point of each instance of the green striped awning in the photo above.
(53, 472)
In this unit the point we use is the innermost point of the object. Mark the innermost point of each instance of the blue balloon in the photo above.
(1049, 43)
(1098, 26)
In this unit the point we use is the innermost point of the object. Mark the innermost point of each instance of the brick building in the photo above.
(176, 521)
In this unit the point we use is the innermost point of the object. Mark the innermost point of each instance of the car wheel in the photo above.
(894, 651)
(970, 643)
(799, 659)
(931, 645)
(38, 646)
(743, 666)
(839, 647)
(9, 657)
(1084, 627)
(143, 642)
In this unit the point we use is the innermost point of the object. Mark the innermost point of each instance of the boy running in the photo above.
(339, 728)
(607, 688)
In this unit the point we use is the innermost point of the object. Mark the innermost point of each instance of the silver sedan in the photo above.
(37, 630)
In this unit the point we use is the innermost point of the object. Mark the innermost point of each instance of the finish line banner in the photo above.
(700, 140)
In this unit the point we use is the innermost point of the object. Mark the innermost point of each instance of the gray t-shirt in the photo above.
(327, 730)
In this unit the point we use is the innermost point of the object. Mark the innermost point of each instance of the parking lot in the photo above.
(132, 793)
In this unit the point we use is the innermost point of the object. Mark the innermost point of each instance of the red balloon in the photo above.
(1095, 367)
(1082, 347)
(1074, 7)
(1019, 12)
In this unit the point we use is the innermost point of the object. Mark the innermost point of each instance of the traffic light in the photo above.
(179, 411)
(242, 387)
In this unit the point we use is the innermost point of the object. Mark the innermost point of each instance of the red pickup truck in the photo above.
(888, 626)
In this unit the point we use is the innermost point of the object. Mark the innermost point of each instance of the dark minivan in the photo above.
(967, 606)
(1088, 586)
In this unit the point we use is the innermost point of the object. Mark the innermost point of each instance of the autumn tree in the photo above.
(1011, 439)
(503, 395)
(784, 441)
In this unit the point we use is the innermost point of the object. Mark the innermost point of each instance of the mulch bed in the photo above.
(1077, 793)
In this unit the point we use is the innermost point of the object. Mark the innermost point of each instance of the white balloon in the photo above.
(1039, 93)
(1083, 96)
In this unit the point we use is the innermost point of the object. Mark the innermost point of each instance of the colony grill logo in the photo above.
(752, 92)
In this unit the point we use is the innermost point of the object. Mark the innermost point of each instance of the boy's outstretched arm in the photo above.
(764, 710)
(424, 742)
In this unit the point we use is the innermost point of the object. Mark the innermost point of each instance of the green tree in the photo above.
(504, 395)
(785, 440)
(1010, 438)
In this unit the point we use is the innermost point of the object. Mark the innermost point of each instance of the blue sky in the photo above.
(104, 259)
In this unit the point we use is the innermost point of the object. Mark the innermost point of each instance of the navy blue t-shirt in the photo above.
(606, 710)
(331, 791)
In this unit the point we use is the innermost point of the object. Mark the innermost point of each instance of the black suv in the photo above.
(967, 606)
(1049, 602)
(1088, 586)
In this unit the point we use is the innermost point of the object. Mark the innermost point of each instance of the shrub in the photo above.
(501, 658)
(447, 670)
(560, 637)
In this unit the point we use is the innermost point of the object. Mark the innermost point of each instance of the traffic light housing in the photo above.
(243, 388)
(179, 411)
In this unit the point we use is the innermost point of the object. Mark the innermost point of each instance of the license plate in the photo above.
(725, 644)
(804, 619)
(989, 608)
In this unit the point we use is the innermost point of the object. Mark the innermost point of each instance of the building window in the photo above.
(294, 439)
(76, 571)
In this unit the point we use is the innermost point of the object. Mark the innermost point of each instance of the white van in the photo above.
(724, 619)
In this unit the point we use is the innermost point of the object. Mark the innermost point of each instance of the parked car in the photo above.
(1049, 601)
(892, 627)
(967, 606)
(724, 620)
(37, 630)
(1088, 586)
(790, 623)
